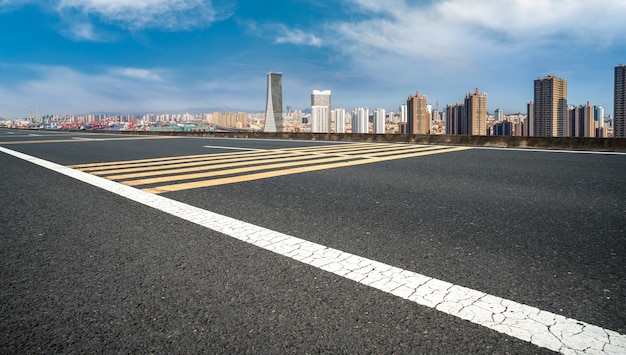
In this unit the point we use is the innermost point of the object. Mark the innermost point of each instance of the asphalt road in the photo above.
(85, 270)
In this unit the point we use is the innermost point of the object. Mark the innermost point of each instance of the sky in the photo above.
(142, 56)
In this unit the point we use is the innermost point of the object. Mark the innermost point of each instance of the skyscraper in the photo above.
(582, 121)
(550, 111)
(453, 118)
(418, 117)
(403, 113)
(320, 111)
(474, 120)
(530, 119)
(274, 103)
(379, 121)
(599, 115)
(339, 115)
(619, 102)
(498, 115)
(360, 120)
(320, 119)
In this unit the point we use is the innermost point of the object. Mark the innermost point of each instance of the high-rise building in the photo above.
(619, 102)
(453, 118)
(320, 119)
(475, 114)
(339, 116)
(582, 121)
(418, 117)
(575, 122)
(379, 121)
(230, 119)
(403, 113)
(498, 115)
(504, 128)
(274, 103)
(599, 115)
(360, 120)
(530, 119)
(320, 111)
(550, 107)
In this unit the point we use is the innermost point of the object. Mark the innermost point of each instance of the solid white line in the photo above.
(233, 148)
(551, 150)
(542, 328)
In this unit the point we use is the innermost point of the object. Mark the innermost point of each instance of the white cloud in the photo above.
(296, 36)
(81, 31)
(138, 14)
(78, 16)
(63, 90)
(447, 48)
(456, 29)
(283, 34)
(141, 74)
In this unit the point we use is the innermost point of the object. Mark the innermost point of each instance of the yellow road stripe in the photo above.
(255, 164)
(84, 167)
(174, 163)
(202, 165)
(87, 167)
(230, 171)
(304, 169)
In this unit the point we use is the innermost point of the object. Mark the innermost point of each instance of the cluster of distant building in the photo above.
(548, 115)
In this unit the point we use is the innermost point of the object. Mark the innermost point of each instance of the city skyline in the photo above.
(156, 55)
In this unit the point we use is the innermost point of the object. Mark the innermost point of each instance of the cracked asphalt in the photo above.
(85, 270)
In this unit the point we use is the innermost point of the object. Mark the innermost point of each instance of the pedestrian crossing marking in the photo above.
(169, 174)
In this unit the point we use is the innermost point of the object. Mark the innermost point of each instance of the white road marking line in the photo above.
(531, 149)
(531, 324)
(82, 138)
(233, 148)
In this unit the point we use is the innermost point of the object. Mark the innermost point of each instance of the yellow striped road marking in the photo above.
(276, 173)
(181, 163)
(190, 158)
(108, 167)
(255, 164)
(173, 167)
(85, 140)
(300, 160)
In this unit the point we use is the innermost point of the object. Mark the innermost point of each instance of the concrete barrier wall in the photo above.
(566, 143)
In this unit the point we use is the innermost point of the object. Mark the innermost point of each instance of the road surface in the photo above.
(116, 243)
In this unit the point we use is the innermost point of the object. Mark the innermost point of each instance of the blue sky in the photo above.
(132, 56)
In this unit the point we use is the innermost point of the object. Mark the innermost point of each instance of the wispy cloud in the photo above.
(138, 14)
(138, 73)
(65, 90)
(79, 16)
(297, 36)
(283, 34)
(8, 5)
(455, 28)
(448, 46)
